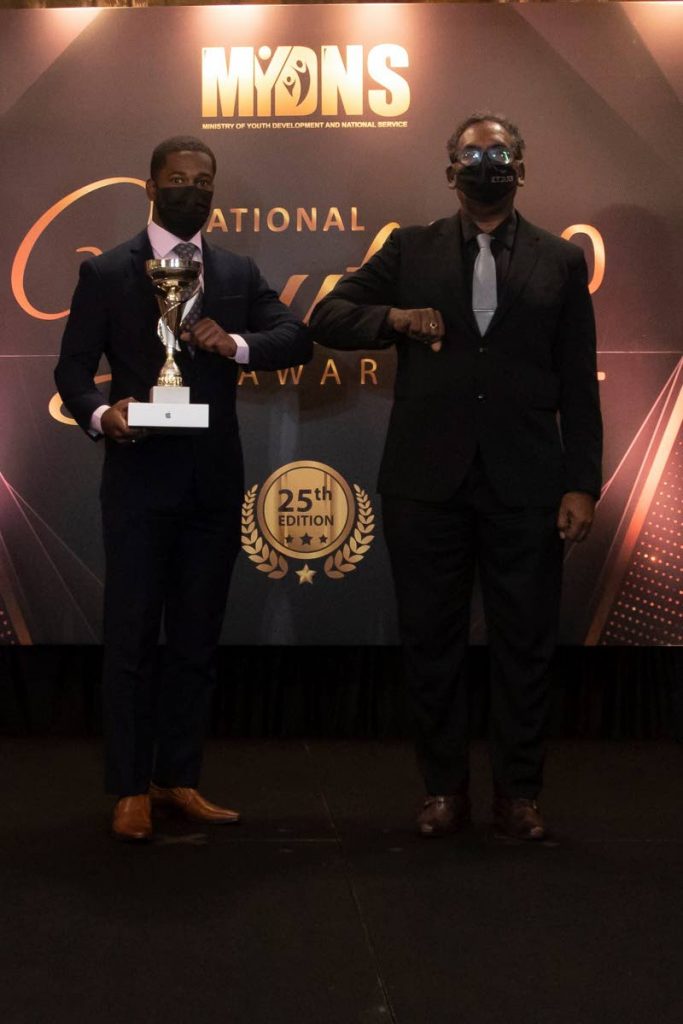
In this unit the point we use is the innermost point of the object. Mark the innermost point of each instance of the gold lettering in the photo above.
(233, 88)
(257, 219)
(238, 212)
(368, 368)
(270, 219)
(333, 220)
(265, 79)
(330, 371)
(292, 371)
(251, 374)
(355, 226)
(342, 81)
(310, 220)
(296, 90)
(216, 220)
(394, 98)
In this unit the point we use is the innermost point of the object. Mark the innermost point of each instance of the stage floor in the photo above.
(323, 907)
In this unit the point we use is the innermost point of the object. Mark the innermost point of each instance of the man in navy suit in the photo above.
(492, 458)
(170, 504)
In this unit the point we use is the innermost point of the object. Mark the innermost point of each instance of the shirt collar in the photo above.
(504, 233)
(163, 242)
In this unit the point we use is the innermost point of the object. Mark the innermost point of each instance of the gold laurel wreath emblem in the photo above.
(261, 554)
(345, 558)
(337, 566)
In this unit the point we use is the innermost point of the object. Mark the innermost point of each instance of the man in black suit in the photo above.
(492, 458)
(170, 504)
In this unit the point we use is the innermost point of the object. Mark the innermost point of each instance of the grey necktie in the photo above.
(484, 289)
(188, 251)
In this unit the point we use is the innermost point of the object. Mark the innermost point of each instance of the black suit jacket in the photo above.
(525, 395)
(114, 312)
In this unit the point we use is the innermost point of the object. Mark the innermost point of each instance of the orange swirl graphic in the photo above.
(55, 407)
(598, 251)
(24, 251)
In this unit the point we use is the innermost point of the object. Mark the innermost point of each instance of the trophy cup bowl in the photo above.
(176, 282)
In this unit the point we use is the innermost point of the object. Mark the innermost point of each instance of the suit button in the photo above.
(481, 397)
(483, 349)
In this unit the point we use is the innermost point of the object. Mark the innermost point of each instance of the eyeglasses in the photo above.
(471, 156)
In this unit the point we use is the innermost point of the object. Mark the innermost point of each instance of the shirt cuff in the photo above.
(96, 420)
(242, 353)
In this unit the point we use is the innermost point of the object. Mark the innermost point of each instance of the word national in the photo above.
(279, 218)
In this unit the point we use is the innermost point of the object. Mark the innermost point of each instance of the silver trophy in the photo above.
(176, 285)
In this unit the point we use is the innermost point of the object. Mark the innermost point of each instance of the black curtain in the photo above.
(603, 692)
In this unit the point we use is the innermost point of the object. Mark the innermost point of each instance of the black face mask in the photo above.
(487, 182)
(183, 209)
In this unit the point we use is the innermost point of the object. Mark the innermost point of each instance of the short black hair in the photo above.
(513, 131)
(178, 144)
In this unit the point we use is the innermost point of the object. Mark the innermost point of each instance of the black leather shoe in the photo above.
(518, 818)
(443, 815)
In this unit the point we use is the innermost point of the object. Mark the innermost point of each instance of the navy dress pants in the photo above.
(170, 567)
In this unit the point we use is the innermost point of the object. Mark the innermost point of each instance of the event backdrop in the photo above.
(329, 124)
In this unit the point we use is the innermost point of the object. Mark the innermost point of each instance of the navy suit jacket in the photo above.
(115, 313)
(525, 395)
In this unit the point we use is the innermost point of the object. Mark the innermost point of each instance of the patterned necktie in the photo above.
(185, 250)
(188, 251)
(484, 288)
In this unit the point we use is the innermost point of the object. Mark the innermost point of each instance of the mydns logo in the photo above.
(295, 80)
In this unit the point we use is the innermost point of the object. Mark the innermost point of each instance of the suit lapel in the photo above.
(140, 251)
(211, 284)
(448, 269)
(138, 284)
(522, 262)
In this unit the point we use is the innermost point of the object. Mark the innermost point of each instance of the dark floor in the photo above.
(323, 907)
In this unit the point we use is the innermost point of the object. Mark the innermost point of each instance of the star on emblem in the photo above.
(323, 538)
(288, 539)
(305, 575)
(306, 538)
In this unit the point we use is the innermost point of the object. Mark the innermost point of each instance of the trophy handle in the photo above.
(167, 314)
(170, 375)
(164, 333)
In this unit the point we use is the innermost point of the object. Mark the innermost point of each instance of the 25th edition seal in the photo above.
(307, 511)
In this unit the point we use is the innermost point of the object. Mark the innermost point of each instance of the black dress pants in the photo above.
(171, 566)
(435, 549)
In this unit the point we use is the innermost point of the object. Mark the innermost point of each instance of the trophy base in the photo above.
(166, 395)
(169, 411)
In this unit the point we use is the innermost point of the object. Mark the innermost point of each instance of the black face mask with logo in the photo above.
(183, 209)
(487, 182)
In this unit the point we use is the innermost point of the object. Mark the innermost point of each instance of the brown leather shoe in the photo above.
(132, 819)
(191, 804)
(443, 815)
(518, 818)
